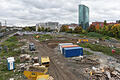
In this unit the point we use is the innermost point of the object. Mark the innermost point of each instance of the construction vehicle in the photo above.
(82, 40)
(31, 47)
(37, 36)
(38, 73)
(45, 61)
(43, 77)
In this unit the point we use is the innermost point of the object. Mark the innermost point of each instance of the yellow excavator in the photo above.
(39, 72)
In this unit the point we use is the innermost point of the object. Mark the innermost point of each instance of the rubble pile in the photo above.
(84, 60)
(105, 73)
(27, 61)
(24, 57)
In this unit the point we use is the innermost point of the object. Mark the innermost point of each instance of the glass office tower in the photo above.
(83, 16)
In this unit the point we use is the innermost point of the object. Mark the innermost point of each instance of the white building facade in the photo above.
(51, 25)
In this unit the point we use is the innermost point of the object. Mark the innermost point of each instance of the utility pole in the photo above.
(5, 23)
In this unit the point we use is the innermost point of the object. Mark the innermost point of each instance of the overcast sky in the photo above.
(30, 12)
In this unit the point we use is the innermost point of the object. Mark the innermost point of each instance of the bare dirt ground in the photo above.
(55, 69)
(60, 68)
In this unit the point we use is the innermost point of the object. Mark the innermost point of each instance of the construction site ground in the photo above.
(62, 68)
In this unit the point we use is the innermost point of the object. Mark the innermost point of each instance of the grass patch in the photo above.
(95, 35)
(12, 44)
(99, 48)
(87, 53)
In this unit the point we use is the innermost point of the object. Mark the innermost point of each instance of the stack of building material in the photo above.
(35, 59)
(24, 57)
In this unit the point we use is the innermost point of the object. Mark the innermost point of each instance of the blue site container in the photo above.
(73, 51)
(63, 50)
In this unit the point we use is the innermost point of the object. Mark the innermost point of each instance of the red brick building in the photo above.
(102, 23)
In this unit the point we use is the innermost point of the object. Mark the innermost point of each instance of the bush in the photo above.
(93, 34)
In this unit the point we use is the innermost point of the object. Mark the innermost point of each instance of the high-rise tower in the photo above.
(83, 16)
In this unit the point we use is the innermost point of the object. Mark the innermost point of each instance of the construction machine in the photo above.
(37, 36)
(37, 73)
(45, 61)
(32, 47)
(31, 75)
(82, 40)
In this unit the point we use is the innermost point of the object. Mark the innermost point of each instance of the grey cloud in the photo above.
(28, 12)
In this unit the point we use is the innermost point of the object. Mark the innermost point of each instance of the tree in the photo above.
(33, 28)
(115, 30)
(70, 31)
(42, 29)
(119, 34)
(49, 29)
(105, 22)
(97, 27)
(46, 29)
(103, 30)
(39, 29)
(91, 28)
(106, 28)
(27, 29)
(78, 29)
(84, 31)
(64, 28)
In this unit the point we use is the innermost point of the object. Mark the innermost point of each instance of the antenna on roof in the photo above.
(80, 1)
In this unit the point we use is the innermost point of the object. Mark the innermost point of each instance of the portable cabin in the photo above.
(10, 62)
(67, 46)
(62, 44)
(73, 52)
